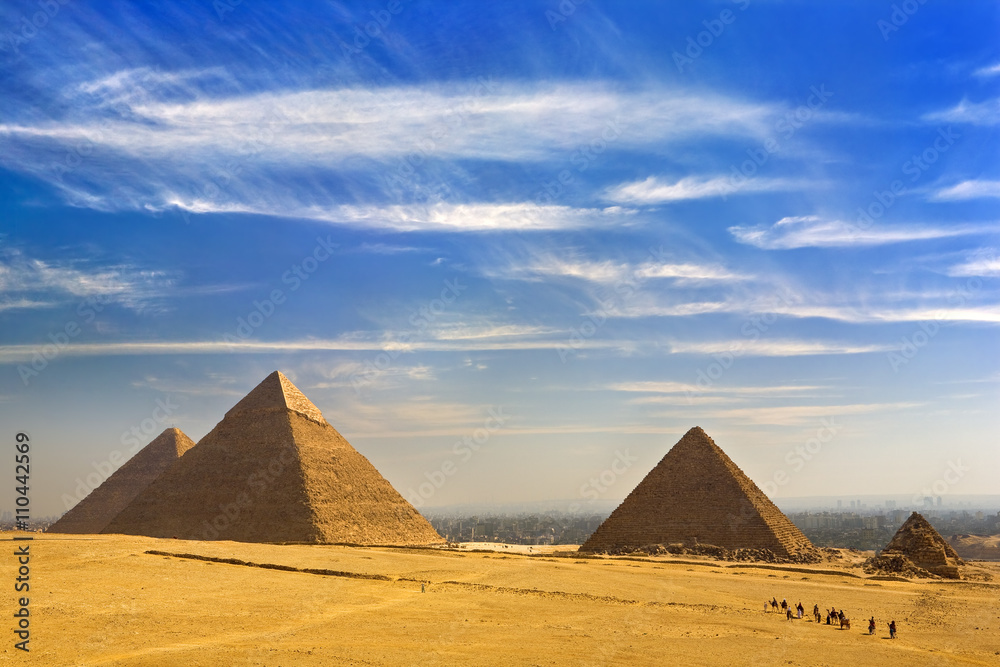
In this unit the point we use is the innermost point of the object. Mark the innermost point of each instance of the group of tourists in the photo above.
(833, 615)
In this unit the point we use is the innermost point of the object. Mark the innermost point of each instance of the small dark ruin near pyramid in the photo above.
(697, 495)
(274, 470)
(95, 512)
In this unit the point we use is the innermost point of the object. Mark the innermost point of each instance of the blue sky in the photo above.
(606, 222)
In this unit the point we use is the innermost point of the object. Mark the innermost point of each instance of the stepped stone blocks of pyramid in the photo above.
(274, 470)
(95, 512)
(696, 494)
(923, 545)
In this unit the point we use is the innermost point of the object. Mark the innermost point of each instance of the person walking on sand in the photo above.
(892, 629)
(871, 625)
(766, 605)
(788, 614)
(799, 609)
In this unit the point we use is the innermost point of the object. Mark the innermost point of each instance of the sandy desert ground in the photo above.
(103, 600)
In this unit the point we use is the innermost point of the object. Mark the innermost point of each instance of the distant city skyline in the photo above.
(513, 251)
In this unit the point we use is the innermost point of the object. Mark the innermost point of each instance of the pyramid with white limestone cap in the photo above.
(274, 470)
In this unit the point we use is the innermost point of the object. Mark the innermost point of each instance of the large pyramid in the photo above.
(95, 512)
(696, 494)
(273, 470)
(917, 540)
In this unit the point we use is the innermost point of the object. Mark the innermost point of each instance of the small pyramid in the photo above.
(917, 540)
(696, 494)
(274, 470)
(95, 512)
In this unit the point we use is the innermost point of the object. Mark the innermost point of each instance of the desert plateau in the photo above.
(125, 600)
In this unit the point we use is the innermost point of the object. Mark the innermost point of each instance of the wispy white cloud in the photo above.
(352, 374)
(973, 189)
(537, 264)
(470, 120)
(793, 415)
(418, 415)
(490, 331)
(458, 339)
(388, 249)
(645, 307)
(211, 384)
(813, 231)
(37, 283)
(775, 348)
(655, 190)
(7, 303)
(973, 113)
(159, 139)
(487, 119)
(987, 314)
(130, 88)
(689, 272)
(777, 301)
(674, 388)
(422, 217)
(989, 70)
(986, 262)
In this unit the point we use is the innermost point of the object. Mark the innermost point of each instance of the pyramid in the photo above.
(95, 512)
(696, 494)
(917, 540)
(274, 470)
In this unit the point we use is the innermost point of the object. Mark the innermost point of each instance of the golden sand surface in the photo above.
(103, 600)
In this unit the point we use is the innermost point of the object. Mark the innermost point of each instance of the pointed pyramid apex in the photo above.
(697, 439)
(697, 433)
(276, 392)
(172, 439)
